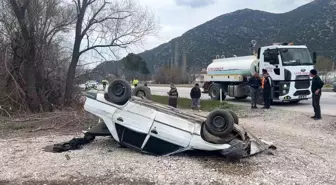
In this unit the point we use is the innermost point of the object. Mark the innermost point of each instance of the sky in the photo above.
(174, 17)
(178, 16)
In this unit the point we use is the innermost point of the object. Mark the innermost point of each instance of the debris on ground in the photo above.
(305, 154)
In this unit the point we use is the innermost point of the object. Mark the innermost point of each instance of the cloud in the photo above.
(194, 3)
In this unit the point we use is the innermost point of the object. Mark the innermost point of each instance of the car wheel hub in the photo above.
(219, 123)
(118, 90)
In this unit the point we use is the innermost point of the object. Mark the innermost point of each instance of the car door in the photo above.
(132, 124)
(169, 134)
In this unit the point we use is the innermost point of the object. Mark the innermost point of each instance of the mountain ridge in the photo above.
(230, 34)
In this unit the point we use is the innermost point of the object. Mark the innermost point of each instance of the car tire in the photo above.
(235, 117)
(219, 123)
(207, 136)
(119, 91)
(142, 91)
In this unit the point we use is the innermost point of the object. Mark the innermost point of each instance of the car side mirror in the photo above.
(314, 57)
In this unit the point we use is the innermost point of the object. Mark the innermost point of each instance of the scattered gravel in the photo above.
(306, 154)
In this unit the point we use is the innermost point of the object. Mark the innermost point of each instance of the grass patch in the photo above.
(185, 103)
(328, 86)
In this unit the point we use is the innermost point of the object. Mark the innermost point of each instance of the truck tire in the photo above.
(207, 136)
(142, 91)
(241, 98)
(219, 123)
(119, 91)
(234, 116)
(214, 91)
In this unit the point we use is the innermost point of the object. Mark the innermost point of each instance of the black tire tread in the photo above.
(228, 119)
(214, 139)
(235, 117)
(144, 89)
(123, 99)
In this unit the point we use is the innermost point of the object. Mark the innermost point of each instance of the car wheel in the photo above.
(119, 91)
(219, 123)
(207, 136)
(234, 116)
(142, 91)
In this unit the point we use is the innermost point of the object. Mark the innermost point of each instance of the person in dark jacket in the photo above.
(316, 90)
(195, 95)
(173, 95)
(266, 85)
(254, 83)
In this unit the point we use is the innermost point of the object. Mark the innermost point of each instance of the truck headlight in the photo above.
(285, 86)
(284, 92)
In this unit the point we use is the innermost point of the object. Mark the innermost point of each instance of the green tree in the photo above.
(135, 65)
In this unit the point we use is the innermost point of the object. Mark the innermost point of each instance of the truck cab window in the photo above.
(271, 56)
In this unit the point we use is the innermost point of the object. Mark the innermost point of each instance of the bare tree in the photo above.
(106, 25)
(31, 28)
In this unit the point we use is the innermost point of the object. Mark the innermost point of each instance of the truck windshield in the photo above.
(295, 56)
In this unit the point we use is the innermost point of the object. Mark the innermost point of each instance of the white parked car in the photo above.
(91, 85)
(149, 127)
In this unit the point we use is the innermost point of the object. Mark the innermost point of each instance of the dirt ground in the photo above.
(305, 154)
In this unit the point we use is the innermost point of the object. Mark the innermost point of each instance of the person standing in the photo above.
(173, 95)
(254, 83)
(104, 82)
(195, 95)
(316, 90)
(135, 82)
(266, 85)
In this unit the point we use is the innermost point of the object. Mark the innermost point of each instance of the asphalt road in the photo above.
(328, 101)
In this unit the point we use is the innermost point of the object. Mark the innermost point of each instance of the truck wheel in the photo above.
(234, 116)
(241, 98)
(214, 91)
(119, 91)
(219, 123)
(142, 91)
(207, 136)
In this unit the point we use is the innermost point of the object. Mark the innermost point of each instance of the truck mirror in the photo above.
(314, 57)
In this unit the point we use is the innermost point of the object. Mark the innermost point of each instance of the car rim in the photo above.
(140, 94)
(219, 123)
(118, 90)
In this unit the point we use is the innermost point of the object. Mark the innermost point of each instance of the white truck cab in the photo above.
(289, 67)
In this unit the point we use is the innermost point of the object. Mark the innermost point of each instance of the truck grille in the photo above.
(302, 92)
(302, 82)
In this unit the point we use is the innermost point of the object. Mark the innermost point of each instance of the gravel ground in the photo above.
(306, 155)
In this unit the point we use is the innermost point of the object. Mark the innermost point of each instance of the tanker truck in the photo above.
(287, 64)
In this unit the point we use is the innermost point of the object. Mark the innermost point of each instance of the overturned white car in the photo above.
(149, 127)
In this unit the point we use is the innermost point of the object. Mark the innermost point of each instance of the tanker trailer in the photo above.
(288, 65)
(230, 74)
